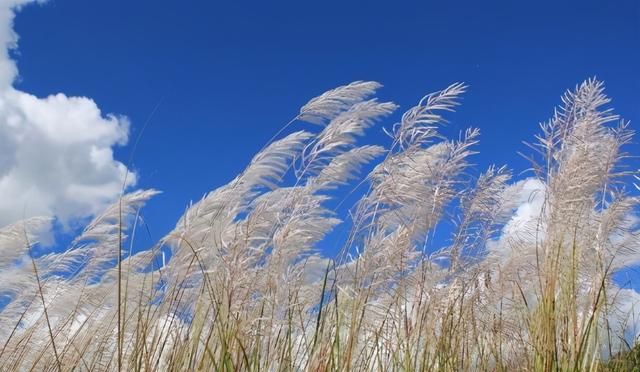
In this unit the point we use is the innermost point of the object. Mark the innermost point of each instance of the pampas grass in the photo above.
(524, 281)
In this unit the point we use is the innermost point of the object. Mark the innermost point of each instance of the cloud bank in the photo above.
(56, 152)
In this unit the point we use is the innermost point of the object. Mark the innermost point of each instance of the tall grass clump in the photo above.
(440, 268)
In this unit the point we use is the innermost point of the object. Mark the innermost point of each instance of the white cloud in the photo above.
(56, 154)
(626, 314)
(523, 202)
(529, 197)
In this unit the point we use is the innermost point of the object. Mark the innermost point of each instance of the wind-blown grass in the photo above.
(525, 281)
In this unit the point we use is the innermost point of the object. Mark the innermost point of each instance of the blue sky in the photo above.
(217, 79)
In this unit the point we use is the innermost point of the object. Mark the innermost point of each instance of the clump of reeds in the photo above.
(524, 280)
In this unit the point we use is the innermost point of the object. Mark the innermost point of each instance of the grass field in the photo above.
(524, 280)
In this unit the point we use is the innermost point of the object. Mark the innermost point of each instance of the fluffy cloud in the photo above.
(626, 315)
(56, 155)
(523, 202)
